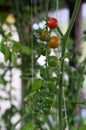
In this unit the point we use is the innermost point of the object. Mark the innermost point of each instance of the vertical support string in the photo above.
(47, 71)
(65, 110)
(32, 73)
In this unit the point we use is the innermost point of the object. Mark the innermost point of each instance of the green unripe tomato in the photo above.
(43, 35)
(43, 73)
(47, 112)
(52, 61)
(50, 84)
(43, 51)
(50, 100)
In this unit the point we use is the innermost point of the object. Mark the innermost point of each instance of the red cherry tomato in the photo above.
(52, 23)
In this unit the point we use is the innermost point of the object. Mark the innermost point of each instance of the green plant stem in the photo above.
(58, 29)
(47, 4)
(47, 71)
(64, 42)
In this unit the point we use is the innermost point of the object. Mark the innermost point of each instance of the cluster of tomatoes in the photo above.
(53, 41)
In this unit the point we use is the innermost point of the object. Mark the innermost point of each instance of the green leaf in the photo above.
(18, 47)
(37, 84)
(2, 16)
(8, 35)
(2, 66)
(5, 50)
(7, 53)
(70, 42)
(14, 59)
(3, 81)
(67, 55)
(83, 127)
(2, 46)
(25, 50)
(73, 128)
(28, 126)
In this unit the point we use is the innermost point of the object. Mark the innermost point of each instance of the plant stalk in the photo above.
(64, 42)
(47, 71)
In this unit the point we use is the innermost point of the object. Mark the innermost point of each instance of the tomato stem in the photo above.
(58, 29)
(47, 4)
(64, 42)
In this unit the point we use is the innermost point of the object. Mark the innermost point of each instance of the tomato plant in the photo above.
(52, 23)
(45, 85)
(54, 42)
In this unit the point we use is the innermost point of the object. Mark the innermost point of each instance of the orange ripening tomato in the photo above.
(54, 42)
(52, 23)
